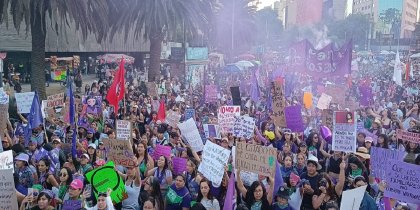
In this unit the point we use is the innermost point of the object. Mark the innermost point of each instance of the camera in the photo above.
(323, 183)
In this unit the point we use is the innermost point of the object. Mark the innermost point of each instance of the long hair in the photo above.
(146, 153)
(385, 137)
(194, 163)
(200, 195)
(47, 165)
(250, 199)
(310, 139)
(331, 188)
(69, 174)
(156, 193)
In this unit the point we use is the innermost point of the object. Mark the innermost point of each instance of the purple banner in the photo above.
(403, 181)
(366, 95)
(161, 150)
(294, 119)
(72, 204)
(179, 165)
(326, 62)
(379, 160)
(211, 93)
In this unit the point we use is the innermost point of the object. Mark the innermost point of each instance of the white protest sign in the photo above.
(43, 108)
(172, 118)
(324, 101)
(226, 117)
(8, 199)
(190, 132)
(24, 102)
(344, 134)
(55, 100)
(244, 127)
(6, 160)
(211, 130)
(4, 98)
(352, 199)
(213, 163)
(123, 129)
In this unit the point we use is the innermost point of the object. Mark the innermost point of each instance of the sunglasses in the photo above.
(63, 174)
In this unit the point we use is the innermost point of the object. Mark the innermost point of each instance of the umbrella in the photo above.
(417, 55)
(232, 68)
(244, 64)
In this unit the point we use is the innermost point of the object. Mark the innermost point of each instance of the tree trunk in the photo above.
(155, 50)
(38, 56)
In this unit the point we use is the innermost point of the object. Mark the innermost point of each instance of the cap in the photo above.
(314, 159)
(92, 145)
(286, 130)
(76, 184)
(368, 139)
(86, 156)
(363, 152)
(56, 139)
(283, 193)
(91, 131)
(22, 157)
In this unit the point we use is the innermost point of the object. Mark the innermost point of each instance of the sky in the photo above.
(265, 3)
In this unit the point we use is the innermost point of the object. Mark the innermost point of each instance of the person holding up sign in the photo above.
(257, 197)
(43, 201)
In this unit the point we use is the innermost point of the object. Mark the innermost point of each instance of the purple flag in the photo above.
(387, 203)
(230, 194)
(72, 118)
(34, 118)
(294, 119)
(255, 91)
(365, 95)
(278, 179)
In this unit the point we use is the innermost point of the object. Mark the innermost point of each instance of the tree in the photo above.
(355, 26)
(154, 19)
(269, 26)
(391, 17)
(89, 16)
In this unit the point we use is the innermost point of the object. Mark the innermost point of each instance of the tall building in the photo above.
(389, 17)
(337, 9)
(300, 12)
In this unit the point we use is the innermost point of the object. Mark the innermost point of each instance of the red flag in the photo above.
(117, 89)
(161, 115)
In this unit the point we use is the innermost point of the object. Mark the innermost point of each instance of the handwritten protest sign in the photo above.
(256, 158)
(211, 130)
(24, 102)
(379, 158)
(106, 177)
(324, 101)
(189, 113)
(352, 199)
(4, 98)
(172, 118)
(244, 127)
(211, 93)
(279, 103)
(190, 132)
(120, 151)
(123, 128)
(179, 165)
(161, 150)
(403, 181)
(408, 136)
(213, 162)
(8, 199)
(226, 117)
(6, 160)
(151, 89)
(344, 134)
(72, 205)
(55, 100)
(294, 119)
(4, 117)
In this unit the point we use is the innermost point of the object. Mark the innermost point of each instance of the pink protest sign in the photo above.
(179, 165)
(161, 150)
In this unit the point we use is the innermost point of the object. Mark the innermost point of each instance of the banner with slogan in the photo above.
(55, 100)
(213, 162)
(379, 160)
(189, 113)
(279, 103)
(211, 93)
(72, 205)
(408, 136)
(106, 177)
(226, 117)
(403, 181)
(24, 102)
(211, 130)
(120, 151)
(190, 132)
(123, 128)
(256, 158)
(244, 127)
(8, 199)
(172, 118)
(344, 132)
(294, 120)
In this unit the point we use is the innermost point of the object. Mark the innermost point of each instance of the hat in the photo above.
(56, 139)
(368, 139)
(283, 193)
(76, 184)
(100, 162)
(314, 159)
(86, 156)
(286, 130)
(225, 139)
(402, 102)
(50, 193)
(363, 152)
(90, 130)
(92, 145)
(100, 142)
(22, 157)
(270, 135)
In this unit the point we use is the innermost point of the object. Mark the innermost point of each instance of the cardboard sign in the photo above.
(279, 103)
(190, 132)
(212, 131)
(352, 199)
(123, 128)
(6, 160)
(256, 158)
(120, 151)
(106, 177)
(8, 199)
(244, 127)
(151, 89)
(161, 150)
(408, 136)
(24, 102)
(172, 118)
(379, 160)
(179, 165)
(344, 132)
(211, 93)
(226, 117)
(4, 117)
(403, 181)
(324, 101)
(189, 113)
(213, 162)
(294, 119)
(55, 100)
(72, 205)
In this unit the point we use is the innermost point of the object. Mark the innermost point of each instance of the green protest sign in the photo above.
(106, 177)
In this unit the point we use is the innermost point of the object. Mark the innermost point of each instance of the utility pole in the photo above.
(233, 26)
